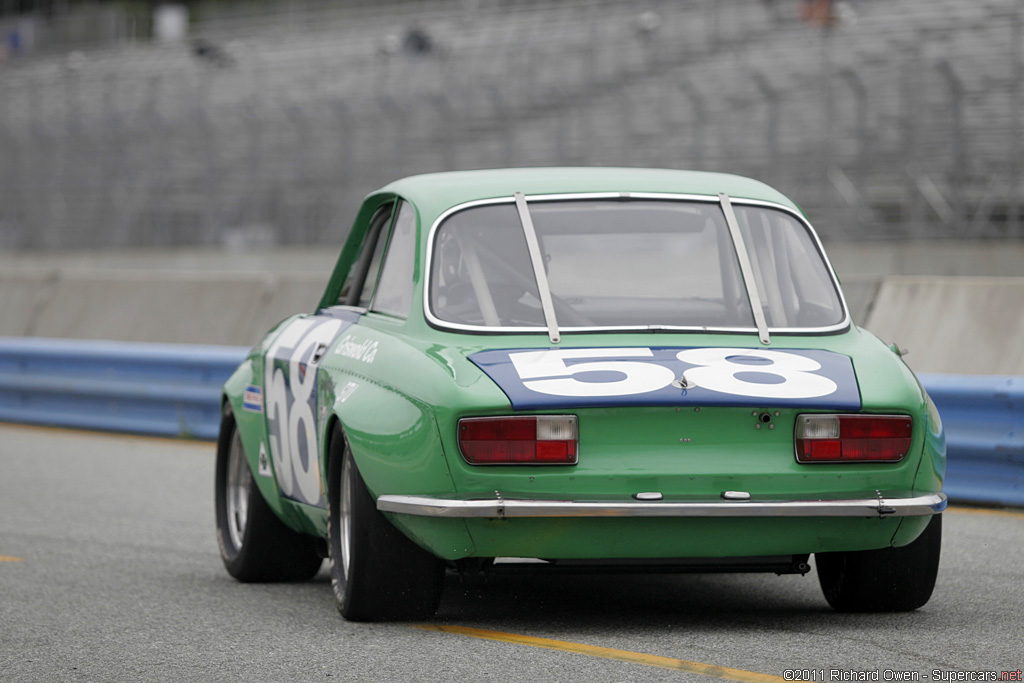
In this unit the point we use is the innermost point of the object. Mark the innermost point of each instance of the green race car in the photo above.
(578, 369)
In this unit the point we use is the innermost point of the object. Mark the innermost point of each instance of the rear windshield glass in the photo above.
(632, 263)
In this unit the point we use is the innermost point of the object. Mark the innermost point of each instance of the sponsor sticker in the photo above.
(252, 400)
(263, 465)
(347, 391)
(364, 351)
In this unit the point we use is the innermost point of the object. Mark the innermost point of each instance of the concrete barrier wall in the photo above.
(958, 325)
(169, 306)
(22, 295)
(860, 292)
(927, 256)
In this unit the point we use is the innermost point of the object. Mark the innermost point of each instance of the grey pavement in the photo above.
(119, 580)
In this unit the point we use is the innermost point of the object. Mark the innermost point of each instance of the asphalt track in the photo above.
(109, 571)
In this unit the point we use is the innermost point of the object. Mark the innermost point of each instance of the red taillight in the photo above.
(531, 440)
(852, 438)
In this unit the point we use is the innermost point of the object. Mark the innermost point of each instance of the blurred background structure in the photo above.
(264, 123)
(171, 171)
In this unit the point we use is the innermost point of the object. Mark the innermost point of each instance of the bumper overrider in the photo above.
(495, 505)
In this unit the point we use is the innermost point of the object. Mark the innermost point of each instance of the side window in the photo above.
(394, 289)
(364, 270)
(373, 268)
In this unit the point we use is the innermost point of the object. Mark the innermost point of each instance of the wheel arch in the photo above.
(328, 463)
(394, 439)
(450, 538)
(252, 428)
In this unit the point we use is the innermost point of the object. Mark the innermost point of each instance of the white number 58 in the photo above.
(560, 379)
(728, 371)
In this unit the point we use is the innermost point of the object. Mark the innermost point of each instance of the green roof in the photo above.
(434, 193)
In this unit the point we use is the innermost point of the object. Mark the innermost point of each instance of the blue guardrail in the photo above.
(164, 389)
(174, 390)
(983, 416)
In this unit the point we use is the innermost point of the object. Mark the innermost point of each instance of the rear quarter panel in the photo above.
(386, 389)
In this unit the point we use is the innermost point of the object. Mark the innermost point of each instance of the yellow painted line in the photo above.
(105, 435)
(993, 512)
(8, 558)
(608, 653)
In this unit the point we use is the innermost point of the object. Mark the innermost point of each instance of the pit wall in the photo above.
(947, 324)
(152, 306)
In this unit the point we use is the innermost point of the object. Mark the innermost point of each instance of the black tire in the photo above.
(886, 580)
(254, 544)
(377, 573)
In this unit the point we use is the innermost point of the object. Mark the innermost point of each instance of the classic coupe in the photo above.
(578, 369)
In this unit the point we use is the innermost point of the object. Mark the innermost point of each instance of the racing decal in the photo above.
(252, 399)
(347, 391)
(290, 381)
(365, 351)
(557, 378)
(263, 464)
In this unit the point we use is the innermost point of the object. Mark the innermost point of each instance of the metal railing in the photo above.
(984, 421)
(174, 390)
(143, 388)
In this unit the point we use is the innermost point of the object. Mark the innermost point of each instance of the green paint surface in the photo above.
(401, 417)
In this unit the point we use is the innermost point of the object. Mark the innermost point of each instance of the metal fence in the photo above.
(881, 119)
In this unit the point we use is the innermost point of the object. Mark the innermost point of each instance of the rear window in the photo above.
(627, 263)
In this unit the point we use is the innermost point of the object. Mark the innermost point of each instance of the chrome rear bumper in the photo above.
(499, 507)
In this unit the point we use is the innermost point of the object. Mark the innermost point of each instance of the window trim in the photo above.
(362, 264)
(396, 209)
(438, 323)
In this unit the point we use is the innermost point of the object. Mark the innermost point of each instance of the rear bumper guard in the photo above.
(497, 506)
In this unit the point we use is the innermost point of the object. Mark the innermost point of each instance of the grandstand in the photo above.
(896, 120)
